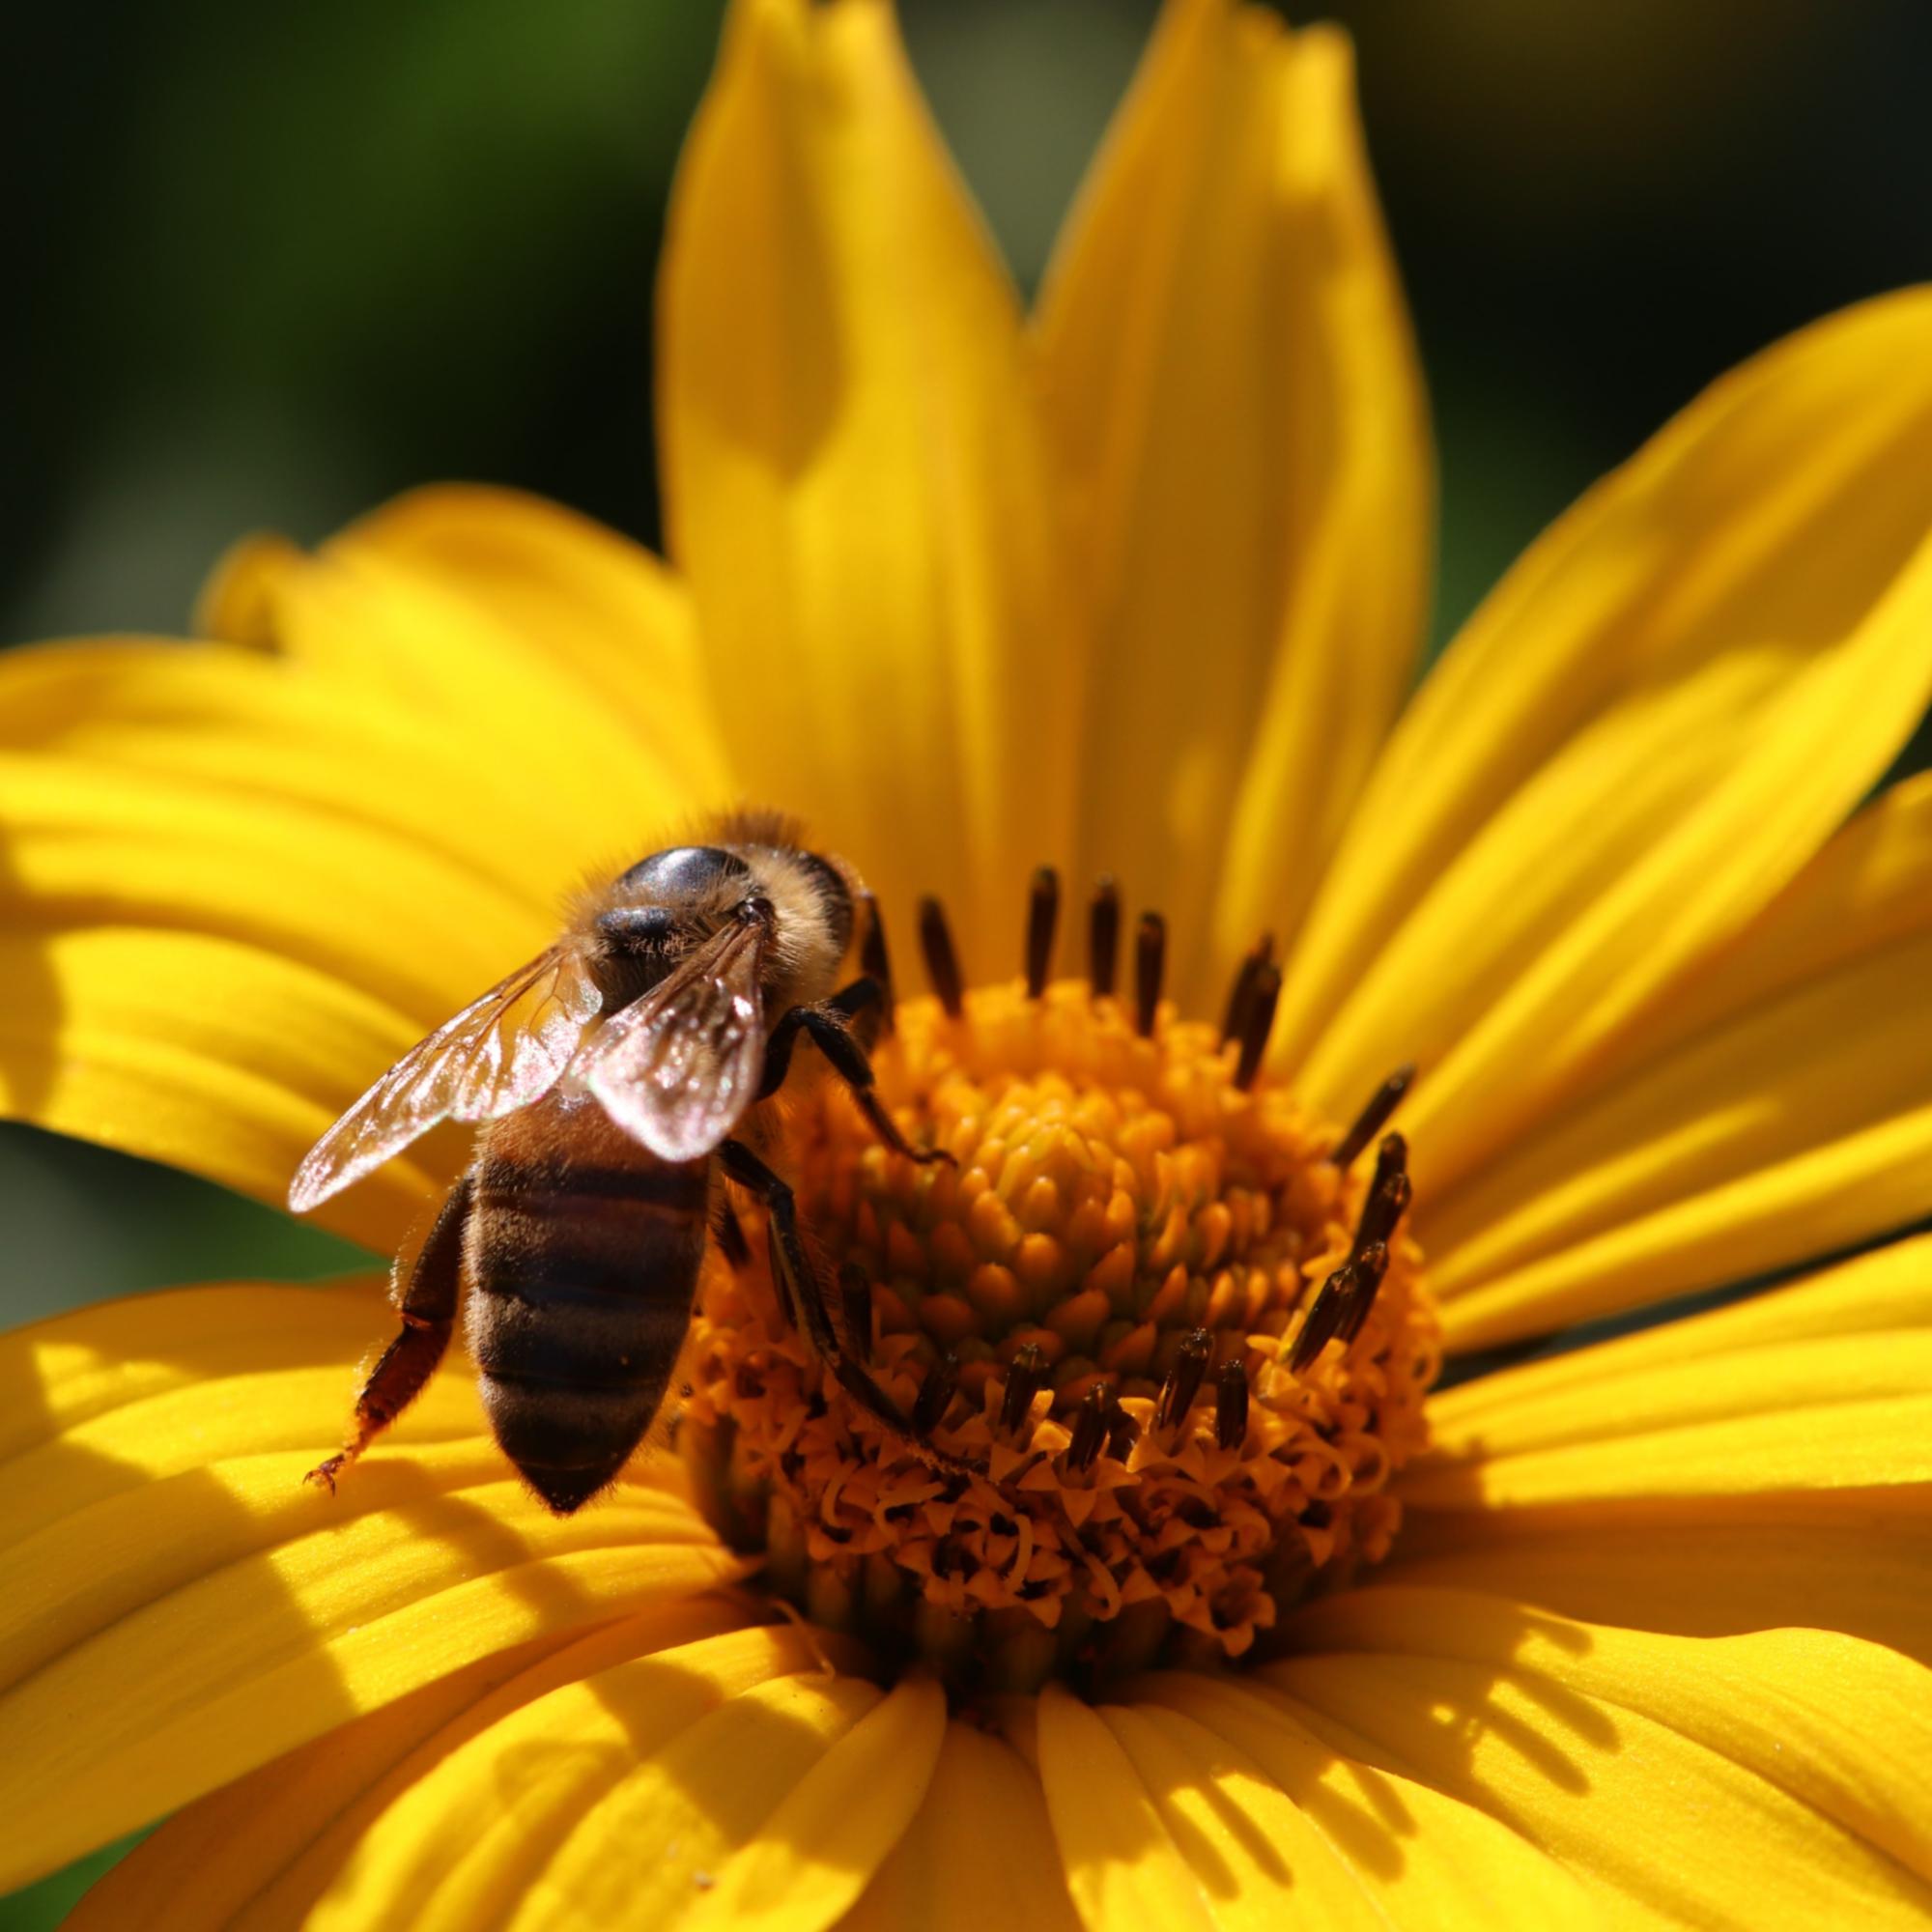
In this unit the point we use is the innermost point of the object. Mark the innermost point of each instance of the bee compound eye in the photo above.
(683, 871)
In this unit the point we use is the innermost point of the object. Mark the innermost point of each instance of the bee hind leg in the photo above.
(428, 1304)
(798, 1285)
(828, 1026)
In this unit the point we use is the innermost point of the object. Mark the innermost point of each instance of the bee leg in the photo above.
(797, 1282)
(825, 1026)
(428, 1304)
(731, 1241)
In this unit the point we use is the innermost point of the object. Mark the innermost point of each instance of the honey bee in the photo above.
(610, 1074)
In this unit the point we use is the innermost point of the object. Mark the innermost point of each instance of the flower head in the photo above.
(1155, 1585)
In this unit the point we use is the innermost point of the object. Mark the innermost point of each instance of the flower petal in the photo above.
(671, 1788)
(576, 596)
(1424, 1857)
(854, 482)
(1821, 1386)
(1778, 1108)
(812, 1856)
(1253, 1854)
(247, 1612)
(1122, 1866)
(1776, 1779)
(939, 1877)
(1705, 1494)
(423, 643)
(1238, 418)
(206, 1053)
(326, 1830)
(1642, 735)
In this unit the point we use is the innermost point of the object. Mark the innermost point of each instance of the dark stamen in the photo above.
(1325, 1316)
(1373, 1118)
(1257, 1024)
(1233, 1025)
(1230, 1404)
(1042, 914)
(1183, 1380)
(942, 962)
(1023, 1380)
(1369, 1267)
(855, 1293)
(935, 1394)
(1150, 964)
(874, 960)
(1389, 1193)
(1103, 937)
(1343, 1305)
(1090, 1428)
(1123, 1432)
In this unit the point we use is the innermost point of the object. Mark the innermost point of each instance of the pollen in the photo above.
(1151, 1344)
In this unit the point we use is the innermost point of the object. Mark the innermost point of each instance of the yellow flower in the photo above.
(1130, 588)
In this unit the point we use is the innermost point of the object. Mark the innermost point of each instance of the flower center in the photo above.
(1156, 1337)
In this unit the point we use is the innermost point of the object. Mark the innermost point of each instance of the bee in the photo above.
(611, 1075)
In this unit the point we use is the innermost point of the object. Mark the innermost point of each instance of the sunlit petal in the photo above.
(579, 599)
(1780, 1108)
(1644, 733)
(1817, 1387)
(939, 1877)
(1238, 422)
(853, 477)
(246, 1611)
(1784, 1767)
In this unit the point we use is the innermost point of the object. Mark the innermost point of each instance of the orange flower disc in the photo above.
(1112, 1281)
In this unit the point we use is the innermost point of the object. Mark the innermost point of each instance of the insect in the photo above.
(611, 1075)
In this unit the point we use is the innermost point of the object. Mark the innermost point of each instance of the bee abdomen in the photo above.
(580, 1294)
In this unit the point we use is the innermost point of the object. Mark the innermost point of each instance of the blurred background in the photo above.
(273, 265)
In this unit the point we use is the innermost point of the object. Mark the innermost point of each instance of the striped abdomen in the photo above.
(580, 1257)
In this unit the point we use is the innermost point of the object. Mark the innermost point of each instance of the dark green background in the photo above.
(272, 265)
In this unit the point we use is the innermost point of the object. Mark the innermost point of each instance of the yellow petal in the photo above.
(1774, 1779)
(1745, 1402)
(576, 596)
(237, 892)
(1254, 1855)
(853, 479)
(214, 1859)
(702, 1818)
(245, 1612)
(1650, 727)
(208, 1054)
(1704, 1567)
(1888, 1289)
(90, 848)
(379, 1817)
(248, 728)
(1778, 1110)
(817, 1850)
(408, 636)
(939, 1877)
(1238, 418)
(1122, 1866)
(1424, 1857)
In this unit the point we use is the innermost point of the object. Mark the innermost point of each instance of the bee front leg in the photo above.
(827, 1027)
(798, 1283)
(428, 1305)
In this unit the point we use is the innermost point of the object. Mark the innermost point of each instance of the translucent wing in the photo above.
(676, 1068)
(499, 1053)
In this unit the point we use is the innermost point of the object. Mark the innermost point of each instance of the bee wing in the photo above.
(676, 1068)
(499, 1053)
